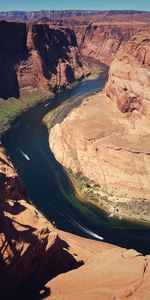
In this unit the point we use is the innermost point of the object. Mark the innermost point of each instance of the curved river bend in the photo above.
(26, 142)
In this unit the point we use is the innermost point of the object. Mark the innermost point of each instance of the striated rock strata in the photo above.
(108, 154)
(129, 76)
(37, 56)
(102, 40)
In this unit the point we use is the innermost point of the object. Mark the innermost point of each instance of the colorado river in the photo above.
(26, 142)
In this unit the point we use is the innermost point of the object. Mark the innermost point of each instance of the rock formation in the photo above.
(33, 253)
(129, 76)
(76, 14)
(108, 153)
(37, 56)
(102, 40)
(112, 274)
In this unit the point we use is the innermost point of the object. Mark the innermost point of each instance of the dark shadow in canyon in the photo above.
(27, 260)
(53, 46)
(13, 51)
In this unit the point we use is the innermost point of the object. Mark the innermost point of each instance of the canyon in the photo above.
(37, 57)
(46, 55)
(76, 14)
(101, 40)
(103, 144)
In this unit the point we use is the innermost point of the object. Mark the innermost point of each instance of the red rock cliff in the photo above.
(129, 76)
(102, 40)
(35, 56)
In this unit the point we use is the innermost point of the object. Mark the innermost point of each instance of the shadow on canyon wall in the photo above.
(29, 255)
(13, 50)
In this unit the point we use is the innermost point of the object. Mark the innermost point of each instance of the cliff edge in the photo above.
(37, 57)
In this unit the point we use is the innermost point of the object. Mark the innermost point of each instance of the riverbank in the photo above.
(95, 143)
(59, 113)
(86, 192)
(10, 109)
(49, 189)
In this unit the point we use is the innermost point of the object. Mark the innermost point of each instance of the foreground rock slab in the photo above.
(113, 274)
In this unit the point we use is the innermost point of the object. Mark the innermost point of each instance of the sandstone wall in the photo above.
(108, 153)
(35, 56)
(129, 77)
(102, 40)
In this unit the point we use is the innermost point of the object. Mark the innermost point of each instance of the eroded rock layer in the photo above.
(109, 155)
(102, 40)
(129, 76)
(37, 56)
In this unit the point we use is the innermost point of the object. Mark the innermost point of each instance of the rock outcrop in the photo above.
(102, 40)
(33, 253)
(129, 76)
(111, 274)
(109, 151)
(37, 56)
(108, 154)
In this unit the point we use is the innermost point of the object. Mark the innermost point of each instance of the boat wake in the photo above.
(24, 154)
(86, 230)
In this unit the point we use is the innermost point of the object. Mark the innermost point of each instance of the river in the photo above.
(49, 189)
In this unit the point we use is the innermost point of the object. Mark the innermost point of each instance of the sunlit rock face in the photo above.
(108, 152)
(129, 76)
(102, 40)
